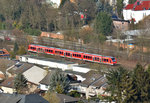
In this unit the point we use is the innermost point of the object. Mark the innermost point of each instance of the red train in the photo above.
(72, 54)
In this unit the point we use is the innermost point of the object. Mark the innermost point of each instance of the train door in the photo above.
(71, 55)
(64, 54)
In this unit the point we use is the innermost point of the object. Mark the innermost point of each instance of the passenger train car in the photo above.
(72, 54)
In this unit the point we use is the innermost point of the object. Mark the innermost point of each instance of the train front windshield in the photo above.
(113, 59)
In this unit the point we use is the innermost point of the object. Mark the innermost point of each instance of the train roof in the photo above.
(58, 48)
(99, 55)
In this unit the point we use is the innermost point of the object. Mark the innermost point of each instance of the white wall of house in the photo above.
(7, 90)
(80, 69)
(43, 87)
(137, 15)
(52, 64)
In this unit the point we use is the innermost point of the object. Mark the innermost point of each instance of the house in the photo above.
(121, 25)
(95, 84)
(18, 98)
(4, 54)
(44, 83)
(72, 76)
(7, 86)
(137, 11)
(34, 75)
(52, 35)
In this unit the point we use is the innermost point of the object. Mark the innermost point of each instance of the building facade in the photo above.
(137, 11)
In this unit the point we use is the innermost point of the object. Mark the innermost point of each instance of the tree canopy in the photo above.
(129, 86)
(103, 23)
(20, 82)
(59, 82)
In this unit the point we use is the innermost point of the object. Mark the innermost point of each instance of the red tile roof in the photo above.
(139, 5)
(129, 6)
(4, 52)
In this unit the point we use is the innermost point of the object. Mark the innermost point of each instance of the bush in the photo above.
(74, 94)
(34, 32)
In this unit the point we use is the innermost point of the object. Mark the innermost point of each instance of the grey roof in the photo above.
(7, 98)
(17, 98)
(66, 99)
(94, 78)
(20, 68)
(35, 74)
(34, 98)
(46, 79)
(5, 63)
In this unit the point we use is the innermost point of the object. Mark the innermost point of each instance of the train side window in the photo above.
(68, 54)
(90, 57)
(79, 55)
(96, 58)
(105, 60)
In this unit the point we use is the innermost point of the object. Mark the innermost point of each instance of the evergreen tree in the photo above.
(16, 48)
(20, 83)
(101, 6)
(142, 83)
(114, 81)
(129, 93)
(59, 82)
(129, 87)
(120, 6)
(103, 23)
